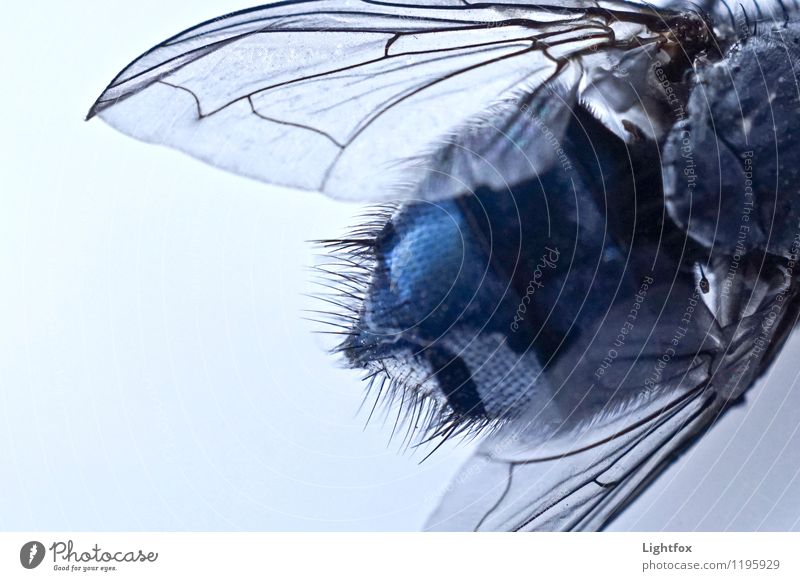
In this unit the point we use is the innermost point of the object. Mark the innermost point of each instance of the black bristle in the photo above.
(345, 277)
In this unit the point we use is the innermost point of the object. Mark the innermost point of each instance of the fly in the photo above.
(549, 174)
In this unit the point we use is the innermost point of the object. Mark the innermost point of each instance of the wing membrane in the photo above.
(580, 477)
(359, 100)
(575, 491)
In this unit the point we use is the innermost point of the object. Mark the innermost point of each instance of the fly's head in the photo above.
(744, 110)
(687, 35)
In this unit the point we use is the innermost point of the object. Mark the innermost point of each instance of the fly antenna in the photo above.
(785, 13)
(746, 20)
(705, 287)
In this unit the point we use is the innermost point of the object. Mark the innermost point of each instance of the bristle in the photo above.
(404, 393)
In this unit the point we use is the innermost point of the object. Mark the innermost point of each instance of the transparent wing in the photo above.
(611, 440)
(578, 489)
(369, 100)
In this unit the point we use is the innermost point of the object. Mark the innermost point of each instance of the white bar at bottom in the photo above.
(406, 556)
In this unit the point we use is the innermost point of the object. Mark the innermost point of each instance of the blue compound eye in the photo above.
(525, 303)
(590, 248)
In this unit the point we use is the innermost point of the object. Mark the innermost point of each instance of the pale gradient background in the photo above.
(155, 372)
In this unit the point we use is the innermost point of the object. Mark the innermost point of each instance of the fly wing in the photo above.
(612, 440)
(577, 490)
(368, 100)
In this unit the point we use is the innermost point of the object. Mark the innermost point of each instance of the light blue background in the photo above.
(155, 370)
